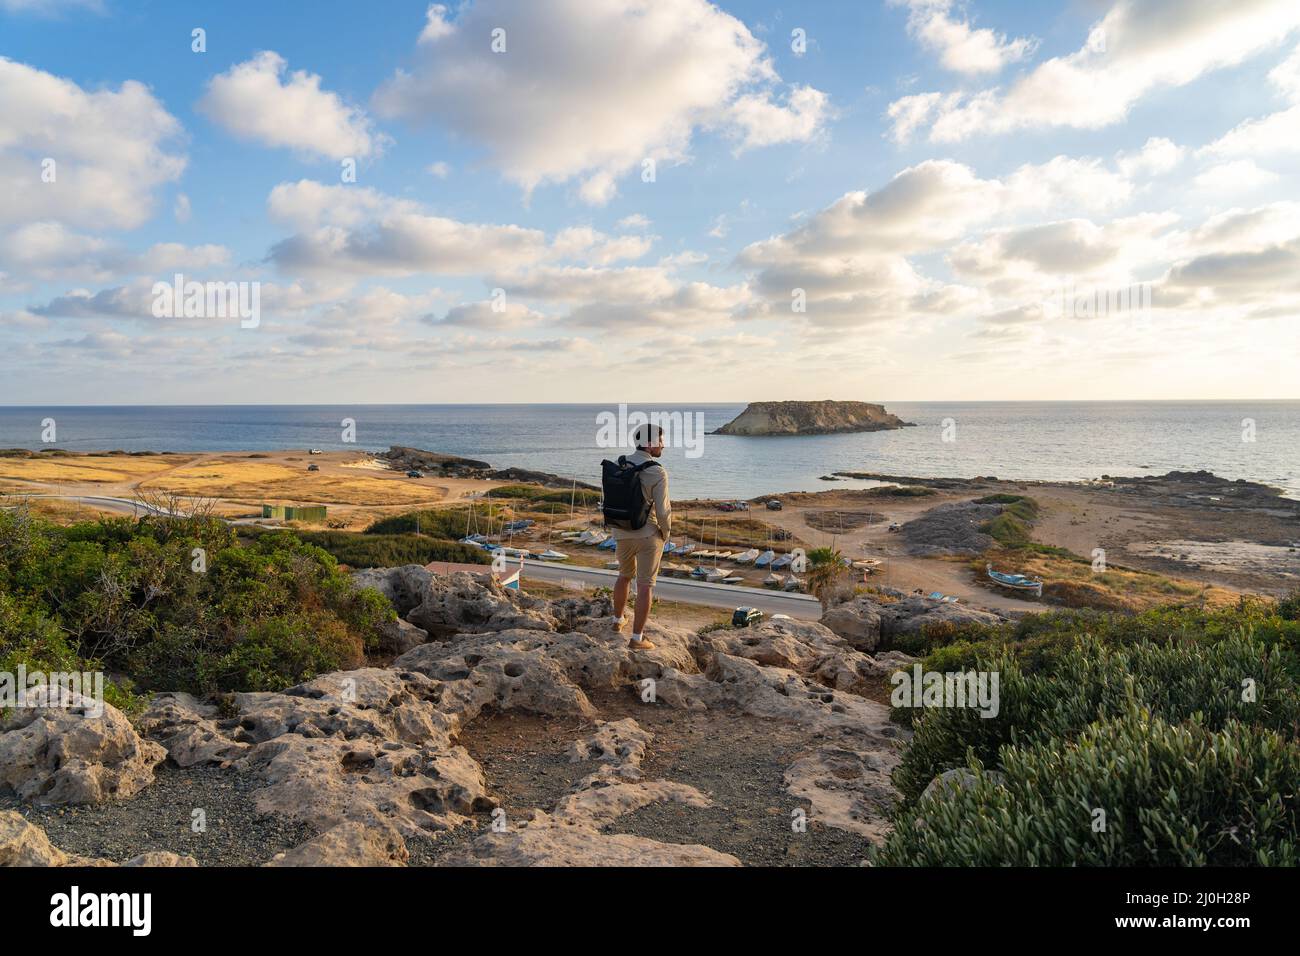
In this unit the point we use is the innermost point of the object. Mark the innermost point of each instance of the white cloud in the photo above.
(50, 251)
(253, 101)
(1158, 155)
(505, 316)
(110, 150)
(588, 89)
(961, 47)
(181, 208)
(440, 170)
(1237, 175)
(1145, 45)
(352, 230)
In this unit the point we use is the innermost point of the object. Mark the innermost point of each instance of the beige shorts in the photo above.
(639, 558)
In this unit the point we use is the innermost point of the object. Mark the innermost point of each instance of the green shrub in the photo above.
(391, 550)
(1092, 681)
(1172, 794)
(134, 598)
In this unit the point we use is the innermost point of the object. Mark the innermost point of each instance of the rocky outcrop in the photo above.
(810, 418)
(811, 650)
(404, 458)
(23, 843)
(857, 621)
(190, 731)
(348, 844)
(370, 758)
(867, 623)
(404, 587)
(458, 603)
(58, 747)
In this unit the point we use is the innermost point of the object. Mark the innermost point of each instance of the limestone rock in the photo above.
(458, 603)
(157, 858)
(23, 843)
(958, 778)
(560, 845)
(811, 650)
(329, 780)
(190, 731)
(404, 586)
(847, 789)
(399, 636)
(348, 844)
(857, 621)
(913, 614)
(63, 754)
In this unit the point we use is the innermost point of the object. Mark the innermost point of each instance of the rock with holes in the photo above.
(577, 613)
(190, 731)
(371, 702)
(805, 647)
(463, 603)
(325, 781)
(59, 747)
(846, 788)
(506, 671)
(778, 694)
(349, 844)
(404, 586)
(857, 621)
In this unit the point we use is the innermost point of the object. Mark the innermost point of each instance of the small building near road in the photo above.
(311, 513)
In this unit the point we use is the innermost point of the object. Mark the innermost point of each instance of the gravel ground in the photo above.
(159, 818)
(738, 760)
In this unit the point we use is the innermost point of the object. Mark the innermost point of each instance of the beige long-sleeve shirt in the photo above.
(654, 483)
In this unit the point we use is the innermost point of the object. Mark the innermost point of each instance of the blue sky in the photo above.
(932, 200)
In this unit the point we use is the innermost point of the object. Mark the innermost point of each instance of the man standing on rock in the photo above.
(639, 552)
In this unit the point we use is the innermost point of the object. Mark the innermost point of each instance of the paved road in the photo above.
(728, 596)
(126, 506)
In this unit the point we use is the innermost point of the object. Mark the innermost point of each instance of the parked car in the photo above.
(745, 616)
(726, 506)
(316, 451)
(414, 474)
(313, 467)
(773, 504)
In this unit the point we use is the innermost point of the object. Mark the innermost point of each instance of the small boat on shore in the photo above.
(783, 561)
(1015, 582)
(764, 559)
(746, 557)
(773, 580)
(609, 544)
(552, 555)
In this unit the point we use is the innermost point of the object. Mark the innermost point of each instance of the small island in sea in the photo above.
(811, 418)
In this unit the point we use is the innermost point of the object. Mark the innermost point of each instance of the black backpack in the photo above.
(625, 504)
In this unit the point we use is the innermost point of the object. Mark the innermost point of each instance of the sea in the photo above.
(1061, 441)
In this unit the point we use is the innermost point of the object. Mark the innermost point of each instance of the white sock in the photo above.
(636, 638)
